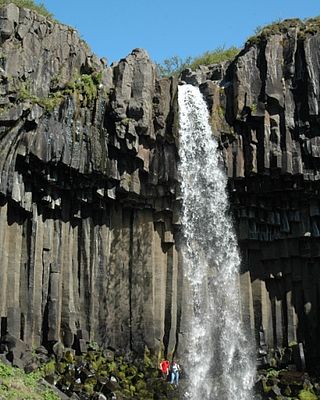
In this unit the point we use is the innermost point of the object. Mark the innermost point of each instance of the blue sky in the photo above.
(166, 28)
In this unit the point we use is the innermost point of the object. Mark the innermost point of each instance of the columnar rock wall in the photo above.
(265, 114)
(103, 277)
(88, 175)
(89, 191)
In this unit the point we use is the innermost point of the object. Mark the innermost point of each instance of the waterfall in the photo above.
(219, 357)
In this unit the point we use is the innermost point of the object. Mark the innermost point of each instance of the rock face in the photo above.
(88, 173)
(89, 191)
(271, 147)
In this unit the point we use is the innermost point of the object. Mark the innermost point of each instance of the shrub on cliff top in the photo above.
(175, 65)
(220, 54)
(39, 8)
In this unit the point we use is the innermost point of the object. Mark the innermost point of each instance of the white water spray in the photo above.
(219, 357)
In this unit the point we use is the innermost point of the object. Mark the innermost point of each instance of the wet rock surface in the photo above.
(274, 185)
(89, 190)
(264, 115)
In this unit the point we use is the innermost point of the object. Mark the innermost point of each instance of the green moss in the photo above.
(69, 357)
(307, 395)
(253, 107)
(17, 385)
(49, 368)
(24, 93)
(221, 111)
(287, 391)
(84, 86)
(51, 102)
(30, 4)
(147, 358)
(87, 87)
(271, 373)
(266, 387)
(89, 388)
(49, 395)
(48, 103)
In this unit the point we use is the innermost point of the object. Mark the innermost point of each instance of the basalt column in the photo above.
(264, 111)
(87, 192)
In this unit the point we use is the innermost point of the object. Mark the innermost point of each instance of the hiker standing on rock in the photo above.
(164, 366)
(175, 373)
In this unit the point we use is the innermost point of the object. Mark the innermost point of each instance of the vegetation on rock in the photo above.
(286, 384)
(17, 385)
(86, 376)
(175, 65)
(106, 372)
(39, 8)
(220, 54)
(48, 103)
(307, 395)
(304, 27)
(85, 86)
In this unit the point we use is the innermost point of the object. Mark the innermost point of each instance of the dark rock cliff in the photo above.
(89, 194)
(265, 111)
(88, 172)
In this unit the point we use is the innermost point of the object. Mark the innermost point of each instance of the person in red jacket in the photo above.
(165, 366)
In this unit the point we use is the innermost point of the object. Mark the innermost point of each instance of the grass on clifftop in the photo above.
(220, 54)
(16, 385)
(175, 65)
(307, 26)
(39, 8)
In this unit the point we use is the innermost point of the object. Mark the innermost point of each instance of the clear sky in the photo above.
(166, 28)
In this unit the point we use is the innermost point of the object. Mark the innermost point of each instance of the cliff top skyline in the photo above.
(113, 28)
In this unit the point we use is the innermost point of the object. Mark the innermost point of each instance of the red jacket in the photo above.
(164, 366)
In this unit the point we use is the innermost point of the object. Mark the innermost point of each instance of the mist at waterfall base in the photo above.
(219, 359)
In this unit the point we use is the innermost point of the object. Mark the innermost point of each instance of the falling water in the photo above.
(219, 356)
